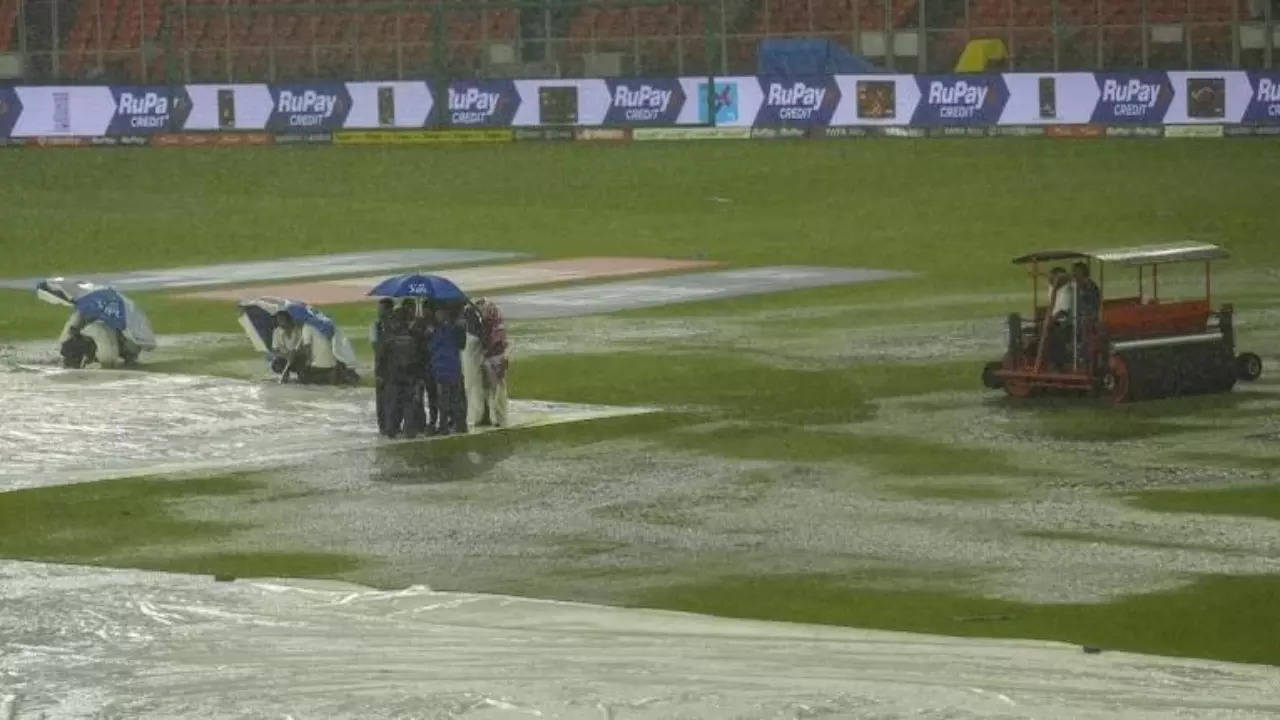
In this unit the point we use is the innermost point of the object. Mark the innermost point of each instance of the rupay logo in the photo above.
(643, 103)
(472, 106)
(1133, 92)
(307, 108)
(957, 100)
(798, 101)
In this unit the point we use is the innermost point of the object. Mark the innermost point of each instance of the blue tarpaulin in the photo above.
(809, 57)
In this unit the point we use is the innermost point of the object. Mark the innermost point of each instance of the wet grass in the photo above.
(731, 386)
(1229, 618)
(949, 491)
(1262, 501)
(95, 521)
(1119, 540)
(890, 454)
(103, 211)
(136, 523)
(251, 564)
(1233, 461)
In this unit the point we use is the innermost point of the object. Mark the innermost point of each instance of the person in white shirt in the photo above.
(288, 355)
(1061, 316)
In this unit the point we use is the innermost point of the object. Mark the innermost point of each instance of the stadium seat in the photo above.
(1120, 12)
(1078, 13)
(1031, 49)
(1121, 48)
(1031, 13)
(1166, 11)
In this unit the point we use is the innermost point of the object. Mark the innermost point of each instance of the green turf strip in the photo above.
(133, 522)
(1231, 618)
(1262, 501)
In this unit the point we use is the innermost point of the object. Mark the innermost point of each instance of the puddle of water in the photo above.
(80, 425)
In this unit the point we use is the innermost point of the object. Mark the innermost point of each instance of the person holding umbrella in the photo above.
(105, 326)
(377, 331)
(439, 293)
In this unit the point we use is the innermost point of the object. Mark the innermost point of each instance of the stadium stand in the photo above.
(8, 22)
(123, 39)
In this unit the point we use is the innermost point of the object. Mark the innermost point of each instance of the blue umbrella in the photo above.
(100, 303)
(257, 316)
(414, 285)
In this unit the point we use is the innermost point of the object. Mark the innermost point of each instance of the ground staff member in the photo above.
(400, 356)
(376, 332)
(445, 342)
(493, 342)
(473, 366)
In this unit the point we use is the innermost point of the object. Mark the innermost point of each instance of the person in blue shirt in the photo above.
(445, 344)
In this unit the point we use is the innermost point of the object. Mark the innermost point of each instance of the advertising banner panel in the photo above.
(1140, 98)
(726, 101)
(308, 106)
(561, 103)
(10, 109)
(393, 104)
(875, 100)
(1264, 98)
(641, 102)
(797, 101)
(1049, 98)
(960, 99)
(481, 103)
(50, 111)
(230, 107)
(143, 110)
(1208, 97)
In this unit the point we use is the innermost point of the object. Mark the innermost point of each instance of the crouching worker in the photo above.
(82, 344)
(287, 354)
(446, 341)
(400, 358)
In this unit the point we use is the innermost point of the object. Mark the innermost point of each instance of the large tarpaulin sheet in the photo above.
(90, 642)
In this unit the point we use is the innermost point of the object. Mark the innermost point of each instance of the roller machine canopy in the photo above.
(1135, 255)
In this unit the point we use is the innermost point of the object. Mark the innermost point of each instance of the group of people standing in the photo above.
(439, 369)
(1074, 303)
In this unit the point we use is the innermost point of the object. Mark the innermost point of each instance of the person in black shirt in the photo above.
(400, 354)
(1088, 304)
(376, 332)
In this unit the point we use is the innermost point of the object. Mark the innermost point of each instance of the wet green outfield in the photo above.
(859, 407)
